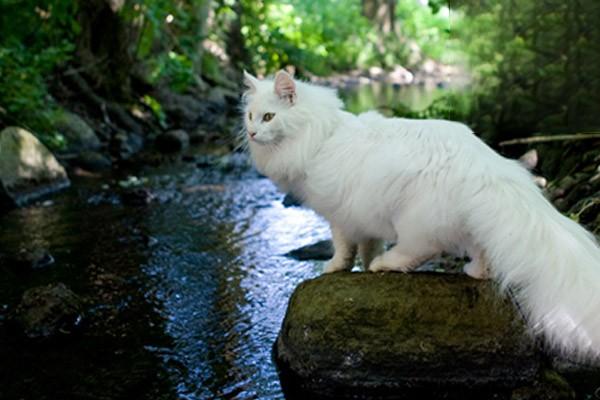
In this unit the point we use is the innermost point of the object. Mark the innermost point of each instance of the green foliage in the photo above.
(315, 35)
(430, 30)
(169, 39)
(29, 55)
(175, 68)
(156, 108)
(323, 36)
(531, 63)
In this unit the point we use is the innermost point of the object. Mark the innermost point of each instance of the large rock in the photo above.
(407, 336)
(28, 170)
(78, 134)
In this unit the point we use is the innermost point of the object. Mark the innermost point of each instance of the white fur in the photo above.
(431, 186)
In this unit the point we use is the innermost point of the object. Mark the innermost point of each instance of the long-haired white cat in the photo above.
(428, 186)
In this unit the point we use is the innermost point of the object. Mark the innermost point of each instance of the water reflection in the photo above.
(223, 285)
(381, 95)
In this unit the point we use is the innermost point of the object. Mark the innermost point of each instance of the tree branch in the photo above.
(552, 138)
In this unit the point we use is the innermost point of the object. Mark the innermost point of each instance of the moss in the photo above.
(363, 331)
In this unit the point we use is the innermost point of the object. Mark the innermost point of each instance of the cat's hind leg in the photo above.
(368, 250)
(478, 267)
(344, 252)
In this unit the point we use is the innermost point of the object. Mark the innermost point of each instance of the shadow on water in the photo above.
(98, 253)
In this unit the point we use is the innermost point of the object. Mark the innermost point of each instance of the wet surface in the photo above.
(184, 291)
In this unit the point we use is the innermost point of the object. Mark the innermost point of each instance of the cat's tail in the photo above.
(550, 263)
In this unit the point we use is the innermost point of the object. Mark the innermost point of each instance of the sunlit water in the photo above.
(223, 285)
(210, 268)
(184, 296)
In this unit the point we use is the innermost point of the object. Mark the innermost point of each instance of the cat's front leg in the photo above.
(368, 250)
(344, 252)
(402, 258)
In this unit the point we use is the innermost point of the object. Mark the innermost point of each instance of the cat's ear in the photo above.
(285, 87)
(251, 82)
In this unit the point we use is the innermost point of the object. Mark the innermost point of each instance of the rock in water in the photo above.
(27, 168)
(49, 311)
(290, 201)
(321, 250)
(403, 336)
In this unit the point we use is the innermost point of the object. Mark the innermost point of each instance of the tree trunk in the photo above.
(381, 12)
(104, 47)
(201, 12)
(236, 47)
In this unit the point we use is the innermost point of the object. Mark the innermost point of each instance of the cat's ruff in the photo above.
(429, 186)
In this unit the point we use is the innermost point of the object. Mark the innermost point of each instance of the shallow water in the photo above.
(188, 292)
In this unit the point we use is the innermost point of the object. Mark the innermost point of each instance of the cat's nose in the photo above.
(252, 134)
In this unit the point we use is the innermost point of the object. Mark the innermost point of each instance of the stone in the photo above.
(93, 161)
(173, 141)
(321, 250)
(400, 76)
(125, 145)
(78, 134)
(549, 386)
(137, 197)
(290, 201)
(32, 259)
(584, 376)
(186, 111)
(403, 336)
(28, 170)
(49, 311)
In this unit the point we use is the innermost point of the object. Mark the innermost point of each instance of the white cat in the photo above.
(428, 186)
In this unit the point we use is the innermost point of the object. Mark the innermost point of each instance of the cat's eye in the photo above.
(268, 116)
(250, 116)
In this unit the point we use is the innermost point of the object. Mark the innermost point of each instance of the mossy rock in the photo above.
(78, 134)
(28, 170)
(401, 336)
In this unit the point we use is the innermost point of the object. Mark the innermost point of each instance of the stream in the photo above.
(182, 273)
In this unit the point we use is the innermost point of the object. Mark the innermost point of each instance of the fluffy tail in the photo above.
(550, 262)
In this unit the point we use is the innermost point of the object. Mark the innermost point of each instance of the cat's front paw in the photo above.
(379, 264)
(335, 266)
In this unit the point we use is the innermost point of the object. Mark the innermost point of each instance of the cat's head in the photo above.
(269, 108)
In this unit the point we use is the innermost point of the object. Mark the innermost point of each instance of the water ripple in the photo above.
(222, 285)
